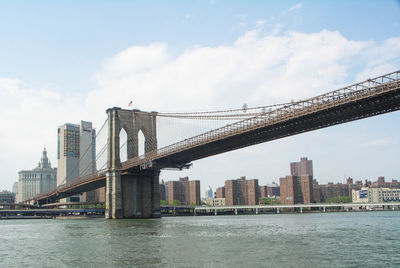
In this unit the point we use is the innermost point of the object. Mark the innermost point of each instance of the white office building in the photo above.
(375, 195)
(40, 179)
(76, 153)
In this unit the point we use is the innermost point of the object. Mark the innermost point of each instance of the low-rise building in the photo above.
(7, 197)
(323, 192)
(375, 195)
(214, 202)
(218, 202)
(360, 196)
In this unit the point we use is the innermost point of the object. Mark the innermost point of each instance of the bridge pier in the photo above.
(133, 195)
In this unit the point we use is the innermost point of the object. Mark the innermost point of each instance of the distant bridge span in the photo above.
(369, 98)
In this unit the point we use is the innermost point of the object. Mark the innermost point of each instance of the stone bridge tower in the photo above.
(133, 193)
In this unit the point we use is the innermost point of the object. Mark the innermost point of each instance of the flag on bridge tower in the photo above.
(130, 104)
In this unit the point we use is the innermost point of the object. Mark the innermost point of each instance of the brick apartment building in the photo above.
(298, 187)
(263, 191)
(304, 167)
(381, 183)
(296, 190)
(163, 196)
(185, 191)
(322, 192)
(269, 190)
(241, 192)
(220, 193)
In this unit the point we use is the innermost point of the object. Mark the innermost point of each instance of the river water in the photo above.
(353, 239)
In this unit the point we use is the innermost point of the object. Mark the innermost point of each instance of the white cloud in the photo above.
(188, 16)
(136, 60)
(240, 16)
(295, 7)
(241, 24)
(256, 69)
(260, 23)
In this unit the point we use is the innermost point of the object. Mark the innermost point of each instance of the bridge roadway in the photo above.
(369, 98)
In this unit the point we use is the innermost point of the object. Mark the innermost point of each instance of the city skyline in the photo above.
(285, 54)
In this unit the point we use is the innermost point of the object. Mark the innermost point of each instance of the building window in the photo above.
(71, 143)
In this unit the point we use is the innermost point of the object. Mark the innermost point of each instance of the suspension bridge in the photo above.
(132, 185)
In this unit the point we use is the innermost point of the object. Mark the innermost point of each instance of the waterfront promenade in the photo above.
(167, 210)
(322, 206)
(263, 209)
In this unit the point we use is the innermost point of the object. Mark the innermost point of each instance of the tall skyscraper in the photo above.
(304, 167)
(76, 154)
(209, 192)
(40, 179)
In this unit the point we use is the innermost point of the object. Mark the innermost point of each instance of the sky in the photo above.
(68, 61)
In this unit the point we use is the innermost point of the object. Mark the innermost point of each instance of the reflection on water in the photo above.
(319, 240)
